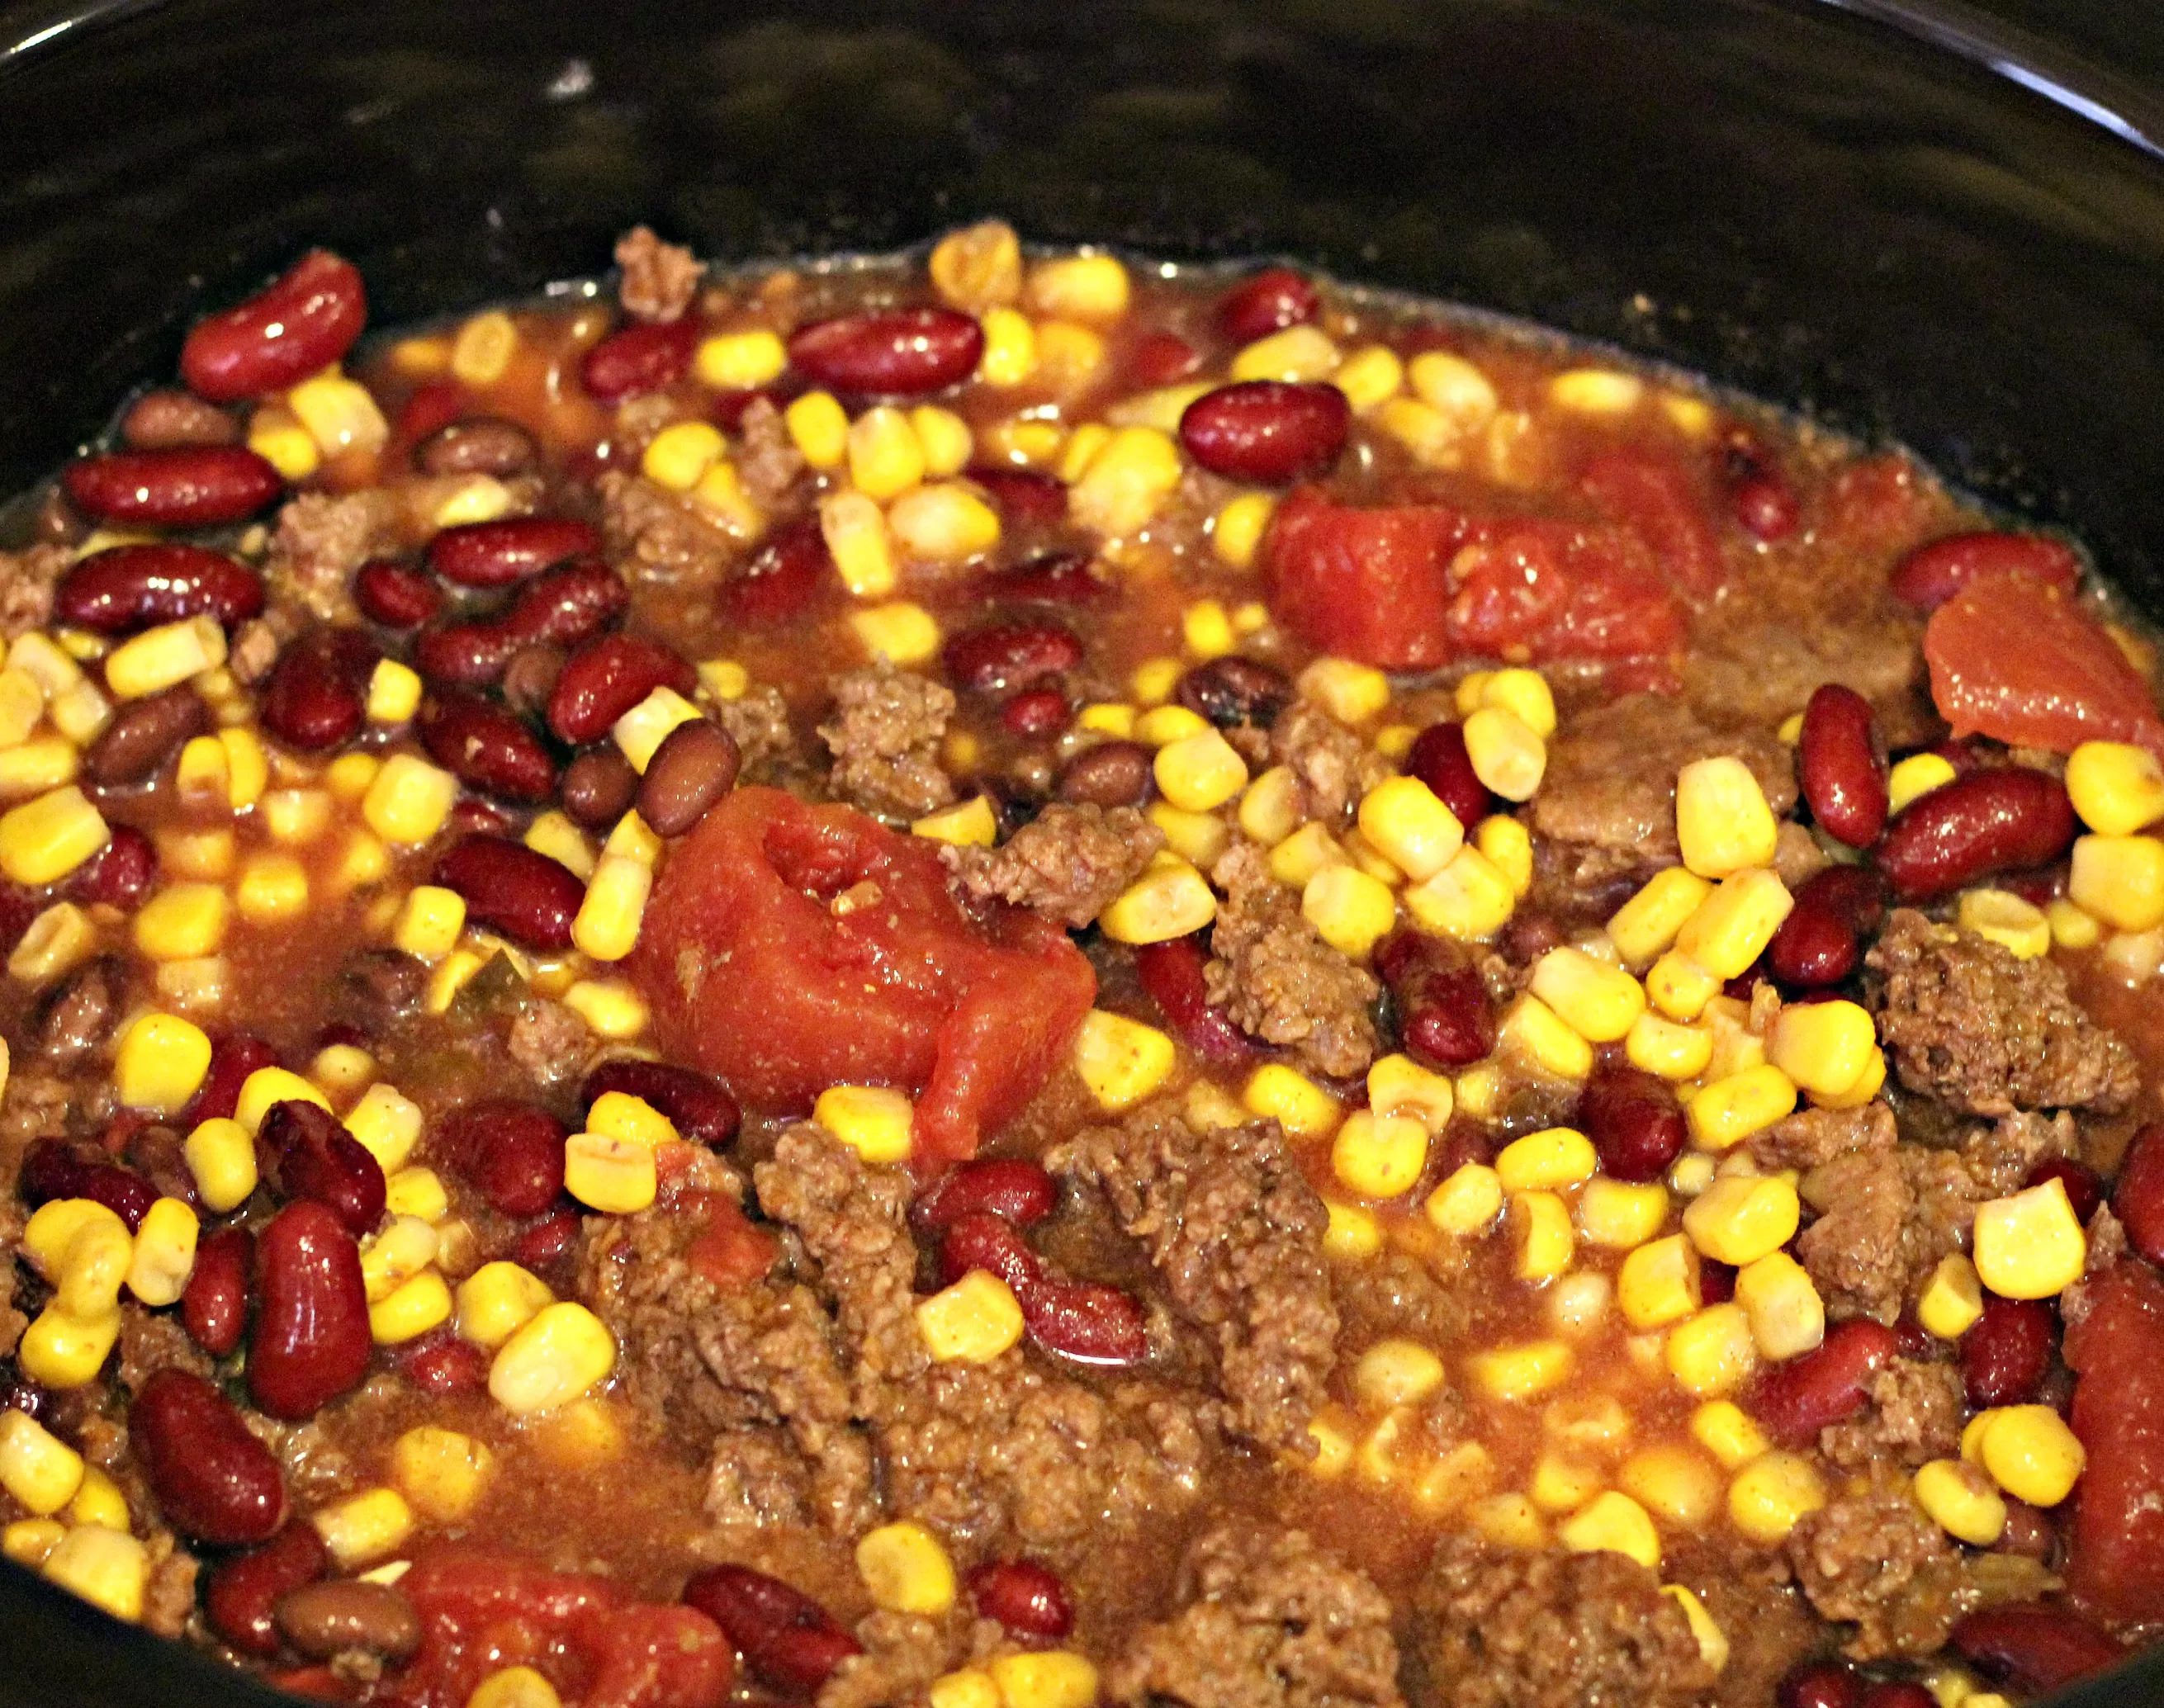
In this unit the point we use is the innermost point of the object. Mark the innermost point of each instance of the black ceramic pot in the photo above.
(1847, 209)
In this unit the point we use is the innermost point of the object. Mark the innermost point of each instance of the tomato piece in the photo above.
(729, 1250)
(653, 1656)
(1370, 585)
(2013, 656)
(1658, 498)
(1536, 590)
(2116, 1565)
(753, 975)
(1878, 505)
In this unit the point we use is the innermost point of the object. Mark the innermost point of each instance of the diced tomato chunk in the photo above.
(1658, 498)
(729, 1250)
(1371, 585)
(1528, 589)
(754, 972)
(2014, 656)
(2116, 1565)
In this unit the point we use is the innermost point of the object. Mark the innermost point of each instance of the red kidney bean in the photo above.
(241, 1591)
(729, 408)
(785, 1638)
(564, 606)
(1838, 767)
(439, 1363)
(1050, 578)
(1035, 712)
(1793, 1401)
(1823, 1684)
(1161, 359)
(2033, 1647)
(2084, 1191)
(605, 679)
(1716, 1281)
(1171, 972)
(434, 405)
(395, 596)
(310, 1340)
(1986, 822)
(1087, 1321)
(486, 444)
(906, 351)
(1438, 758)
(1933, 574)
(693, 768)
(511, 890)
(698, 1105)
(214, 1307)
(316, 698)
(649, 356)
(1026, 1598)
(322, 1620)
(978, 1239)
(297, 326)
(1271, 300)
(1766, 506)
(17, 908)
(1897, 1693)
(1018, 1191)
(1270, 431)
(497, 554)
(1231, 692)
(2137, 1195)
(51, 1170)
(214, 1482)
(547, 1242)
(1444, 1016)
(599, 786)
(233, 1058)
(314, 1157)
(165, 420)
(513, 1153)
(2029, 1531)
(784, 576)
(19, 1395)
(195, 487)
(1634, 1121)
(142, 734)
(469, 654)
(1003, 656)
(1819, 944)
(472, 816)
(119, 875)
(128, 588)
(1111, 774)
(485, 748)
(2007, 1351)
(1022, 495)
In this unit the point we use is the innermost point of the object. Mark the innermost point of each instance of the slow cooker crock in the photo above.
(1901, 215)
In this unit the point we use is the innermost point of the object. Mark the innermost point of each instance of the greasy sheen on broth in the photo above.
(1002, 980)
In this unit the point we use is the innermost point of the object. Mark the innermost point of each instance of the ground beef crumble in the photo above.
(1335, 767)
(27, 579)
(659, 279)
(1873, 1560)
(651, 534)
(1913, 1415)
(1068, 864)
(1279, 980)
(1270, 1622)
(885, 736)
(320, 540)
(758, 721)
(769, 463)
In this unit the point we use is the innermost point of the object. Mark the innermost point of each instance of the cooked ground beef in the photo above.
(1968, 1022)
(885, 736)
(1873, 1560)
(1279, 980)
(653, 535)
(321, 540)
(1270, 1621)
(1886, 1218)
(168, 1600)
(1810, 1137)
(1754, 669)
(254, 650)
(1335, 767)
(758, 721)
(1069, 863)
(1497, 1627)
(151, 1342)
(26, 586)
(1913, 1415)
(659, 279)
(1236, 1231)
(550, 1042)
(769, 463)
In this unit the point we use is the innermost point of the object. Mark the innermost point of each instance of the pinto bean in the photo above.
(693, 768)
(128, 588)
(1231, 692)
(1839, 768)
(1793, 1401)
(241, 1591)
(1269, 432)
(297, 326)
(483, 444)
(787, 1639)
(501, 553)
(1111, 774)
(193, 486)
(214, 1481)
(605, 679)
(646, 357)
(513, 1153)
(322, 1620)
(168, 419)
(143, 735)
(214, 1307)
(1271, 300)
(1985, 822)
(599, 786)
(1027, 1598)
(485, 748)
(510, 889)
(906, 351)
(314, 1157)
(119, 875)
(311, 1341)
(1018, 1191)
(395, 596)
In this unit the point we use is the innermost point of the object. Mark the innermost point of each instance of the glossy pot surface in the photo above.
(1844, 208)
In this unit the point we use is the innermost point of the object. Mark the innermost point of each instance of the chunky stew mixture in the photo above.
(999, 982)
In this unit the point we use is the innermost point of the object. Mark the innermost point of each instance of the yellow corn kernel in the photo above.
(1207, 630)
(43, 840)
(1740, 1218)
(1674, 1483)
(441, 1473)
(247, 767)
(642, 730)
(614, 1176)
(57, 940)
(276, 434)
(32, 767)
(1152, 685)
(1680, 988)
(1370, 375)
(387, 1124)
(612, 1009)
(1596, 391)
(22, 704)
(971, 1687)
(1917, 774)
(85, 1257)
(1618, 1214)
(40, 1469)
(1508, 846)
(1125, 482)
(273, 887)
(183, 921)
(1078, 287)
(678, 455)
(165, 1253)
(450, 978)
(1825, 1047)
(62, 1351)
(1612, 1523)
(1536, 1035)
(497, 1300)
(721, 494)
(608, 920)
(160, 1061)
(2117, 788)
(1455, 1478)
(1659, 1283)
(418, 1193)
(1598, 1001)
(408, 799)
(970, 825)
(79, 713)
(552, 1358)
(1200, 839)
(1726, 1432)
(365, 1527)
(107, 1568)
(1457, 390)
(874, 1120)
(1712, 1354)
(943, 524)
(947, 442)
(1541, 1232)
(2031, 1453)
(1507, 756)
(1520, 1371)
(1047, 1678)
(2119, 879)
(164, 657)
(884, 457)
(392, 1258)
(972, 1321)
(98, 1502)
(1351, 1233)
(1308, 850)
(1397, 1085)
(633, 840)
(1236, 533)
(475, 498)
(1352, 693)
(1011, 354)
(1300, 355)
(1163, 725)
(221, 1159)
(1209, 1107)
(1559, 1483)
(412, 1308)
(1735, 1107)
(342, 1069)
(905, 1570)
(2003, 918)
(723, 679)
(974, 269)
(1646, 925)
(514, 1687)
(1350, 910)
(1468, 900)
(1952, 1299)
(1166, 902)
(430, 920)
(2029, 1245)
(1198, 772)
(1121, 1061)
(740, 361)
(1722, 821)
(2071, 926)
(1294, 1102)
(482, 351)
(1523, 693)
(1787, 1318)
(42, 659)
(819, 429)
(1509, 1521)
(267, 1087)
(1378, 1156)
(1674, 1051)
(1405, 820)
(1713, 1646)
(1393, 1373)
(902, 633)
(1469, 1201)
(1549, 1160)
(1959, 1499)
(348, 775)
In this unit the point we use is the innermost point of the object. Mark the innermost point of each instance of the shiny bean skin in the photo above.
(599, 786)
(1026, 1598)
(316, 699)
(645, 356)
(76, 1016)
(195, 486)
(784, 576)
(233, 1058)
(2084, 1191)
(1171, 973)
(1087, 1321)
(2032, 1647)
(120, 875)
(1793, 1401)
(2137, 1195)
(1004, 656)
(693, 768)
(530, 678)
(568, 604)
(439, 1363)
(1229, 693)
(1838, 767)
(297, 326)
(978, 1239)
(605, 679)
(1766, 507)
(1018, 1191)
(1268, 432)
(1634, 1121)
(127, 587)
(1050, 578)
(310, 1343)
(485, 748)
(513, 1153)
(214, 1307)
(1933, 574)
(786, 1638)
(1819, 944)
(142, 734)
(51, 1170)
(2007, 1351)
(511, 890)
(395, 596)
(214, 1481)
(698, 1105)
(465, 654)
(896, 351)
(1444, 1016)
(1111, 774)
(1022, 495)
(501, 554)
(322, 1620)
(547, 1242)
(167, 420)
(1438, 758)
(241, 1592)
(1161, 359)
(1985, 822)
(313, 1157)
(1035, 712)
(483, 444)
(1271, 300)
